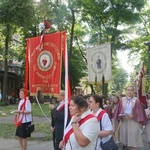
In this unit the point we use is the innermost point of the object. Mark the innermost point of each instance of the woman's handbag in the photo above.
(30, 127)
(110, 144)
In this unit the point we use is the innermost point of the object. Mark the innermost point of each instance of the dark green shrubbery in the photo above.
(3, 103)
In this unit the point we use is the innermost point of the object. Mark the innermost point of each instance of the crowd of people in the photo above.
(120, 119)
(94, 123)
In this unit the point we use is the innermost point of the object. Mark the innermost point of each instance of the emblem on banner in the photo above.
(45, 60)
(98, 62)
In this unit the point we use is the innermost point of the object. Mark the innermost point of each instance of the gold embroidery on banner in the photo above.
(45, 60)
(45, 63)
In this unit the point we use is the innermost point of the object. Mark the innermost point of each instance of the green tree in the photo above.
(119, 80)
(120, 76)
(67, 19)
(109, 21)
(13, 14)
(100, 21)
(137, 44)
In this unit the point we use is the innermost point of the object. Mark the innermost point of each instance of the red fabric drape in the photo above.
(45, 63)
(65, 59)
(26, 84)
(142, 97)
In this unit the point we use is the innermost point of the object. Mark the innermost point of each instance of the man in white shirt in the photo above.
(0, 95)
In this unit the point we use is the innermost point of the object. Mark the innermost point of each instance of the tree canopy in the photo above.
(87, 22)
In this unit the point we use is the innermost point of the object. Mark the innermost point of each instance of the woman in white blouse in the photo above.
(104, 134)
(24, 119)
(82, 131)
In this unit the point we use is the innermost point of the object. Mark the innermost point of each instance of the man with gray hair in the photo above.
(58, 115)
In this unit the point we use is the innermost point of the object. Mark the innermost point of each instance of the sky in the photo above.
(123, 57)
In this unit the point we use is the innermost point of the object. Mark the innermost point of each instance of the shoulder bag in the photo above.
(30, 127)
(110, 144)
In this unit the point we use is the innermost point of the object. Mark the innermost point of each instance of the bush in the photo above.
(3, 103)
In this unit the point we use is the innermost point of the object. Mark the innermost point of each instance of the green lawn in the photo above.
(8, 130)
(7, 109)
(35, 109)
(37, 112)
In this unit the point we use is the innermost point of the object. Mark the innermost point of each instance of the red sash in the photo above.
(16, 122)
(67, 135)
(61, 107)
(99, 117)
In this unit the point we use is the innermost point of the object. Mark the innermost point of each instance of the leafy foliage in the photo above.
(18, 12)
(87, 22)
(120, 76)
(139, 50)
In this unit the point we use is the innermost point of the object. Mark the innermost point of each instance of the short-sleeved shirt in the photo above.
(128, 108)
(0, 96)
(107, 126)
(26, 117)
(89, 129)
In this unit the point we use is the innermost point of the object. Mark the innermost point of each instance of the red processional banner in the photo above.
(45, 62)
(140, 85)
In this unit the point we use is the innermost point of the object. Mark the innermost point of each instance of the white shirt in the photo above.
(0, 96)
(26, 117)
(107, 126)
(89, 129)
(60, 104)
(128, 107)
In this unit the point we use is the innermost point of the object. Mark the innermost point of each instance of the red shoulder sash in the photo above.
(61, 107)
(100, 115)
(16, 122)
(67, 135)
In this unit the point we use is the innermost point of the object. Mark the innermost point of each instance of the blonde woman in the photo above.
(25, 118)
(132, 115)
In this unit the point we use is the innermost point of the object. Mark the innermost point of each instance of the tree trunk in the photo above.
(106, 90)
(92, 89)
(71, 41)
(5, 82)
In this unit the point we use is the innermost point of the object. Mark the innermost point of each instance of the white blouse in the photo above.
(26, 117)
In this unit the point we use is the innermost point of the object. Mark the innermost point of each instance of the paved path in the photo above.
(10, 119)
(12, 144)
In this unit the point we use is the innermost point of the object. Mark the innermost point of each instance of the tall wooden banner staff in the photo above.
(117, 131)
(45, 59)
